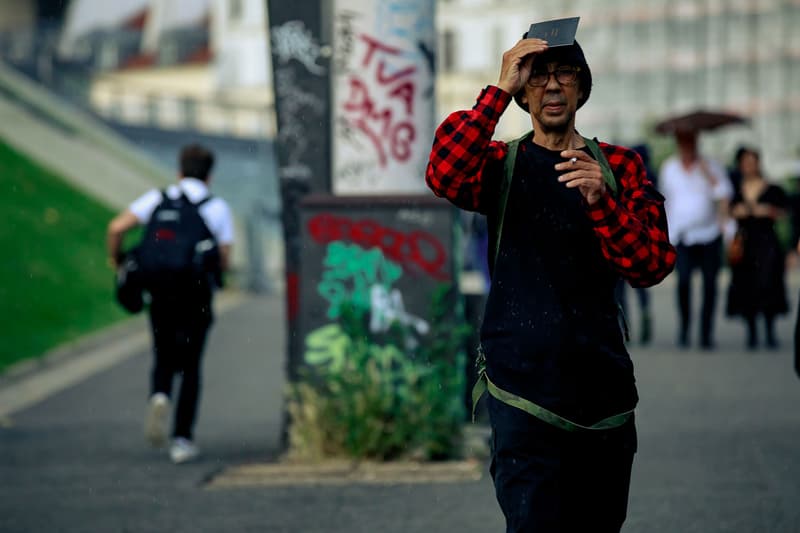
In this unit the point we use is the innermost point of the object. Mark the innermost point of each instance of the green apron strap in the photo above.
(485, 384)
(477, 391)
(605, 168)
(505, 187)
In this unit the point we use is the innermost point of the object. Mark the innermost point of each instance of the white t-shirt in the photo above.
(690, 200)
(215, 212)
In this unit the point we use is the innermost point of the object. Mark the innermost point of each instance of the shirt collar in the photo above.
(194, 188)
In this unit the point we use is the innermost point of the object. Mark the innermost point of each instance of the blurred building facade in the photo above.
(203, 65)
(198, 65)
(164, 73)
(649, 59)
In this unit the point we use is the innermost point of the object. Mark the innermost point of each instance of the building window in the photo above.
(234, 10)
(448, 51)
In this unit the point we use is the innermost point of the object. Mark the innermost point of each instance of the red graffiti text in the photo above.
(391, 133)
(416, 250)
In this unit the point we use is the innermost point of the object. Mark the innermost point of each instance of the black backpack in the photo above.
(177, 251)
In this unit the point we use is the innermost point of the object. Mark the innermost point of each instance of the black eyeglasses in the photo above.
(564, 76)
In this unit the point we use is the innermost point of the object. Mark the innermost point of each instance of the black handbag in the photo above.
(129, 286)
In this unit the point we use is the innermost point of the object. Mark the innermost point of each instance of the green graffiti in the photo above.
(350, 272)
(329, 346)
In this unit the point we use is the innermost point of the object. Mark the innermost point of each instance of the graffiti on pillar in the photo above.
(383, 95)
(292, 40)
(349, 274)
(294, 102)
(382, 105)
(417, 251)
(386, 306)
(364, 280)
(367, 265)
(301, 83)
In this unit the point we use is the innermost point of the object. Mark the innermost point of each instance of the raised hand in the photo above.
(583, 172)
(516, 67)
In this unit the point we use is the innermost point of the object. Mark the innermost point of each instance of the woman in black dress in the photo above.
(757, 280)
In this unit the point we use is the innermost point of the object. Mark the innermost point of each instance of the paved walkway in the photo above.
(718, 447)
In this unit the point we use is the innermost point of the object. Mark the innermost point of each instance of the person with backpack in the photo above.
(185, 248)
(567, 217)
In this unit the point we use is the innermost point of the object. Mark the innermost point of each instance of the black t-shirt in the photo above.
(551, 332)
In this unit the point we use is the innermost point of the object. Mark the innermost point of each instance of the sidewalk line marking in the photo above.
(43, 384)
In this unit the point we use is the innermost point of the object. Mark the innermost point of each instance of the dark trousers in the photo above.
(548, 480)
(708, 258)
(179, 337)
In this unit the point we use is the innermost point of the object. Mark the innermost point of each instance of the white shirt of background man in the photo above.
(215, 212)
(691, 200)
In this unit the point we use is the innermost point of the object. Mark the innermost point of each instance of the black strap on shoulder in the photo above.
(204, 200)
(188, 201)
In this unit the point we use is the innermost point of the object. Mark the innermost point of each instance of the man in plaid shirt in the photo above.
(560, 379)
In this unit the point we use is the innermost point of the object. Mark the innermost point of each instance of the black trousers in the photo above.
(548, 480)
(708, 258)
(179, 327)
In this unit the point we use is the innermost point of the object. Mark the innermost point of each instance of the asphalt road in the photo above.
(719, 447)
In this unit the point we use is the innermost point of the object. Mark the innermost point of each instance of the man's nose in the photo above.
(552, 82)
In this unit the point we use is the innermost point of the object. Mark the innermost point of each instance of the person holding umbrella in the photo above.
(696, 191)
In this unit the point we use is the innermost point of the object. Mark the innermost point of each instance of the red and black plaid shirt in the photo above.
(632, 228)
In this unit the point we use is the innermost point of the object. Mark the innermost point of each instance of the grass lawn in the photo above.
(54, 281)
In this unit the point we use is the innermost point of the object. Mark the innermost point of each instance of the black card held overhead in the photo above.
(559, 32)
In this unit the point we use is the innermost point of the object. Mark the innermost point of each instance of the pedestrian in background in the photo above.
(180, 308)
(757, 286)
(560, 380)
(697, 191)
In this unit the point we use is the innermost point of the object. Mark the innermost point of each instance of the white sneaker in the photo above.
(155, 423)
(182, 450)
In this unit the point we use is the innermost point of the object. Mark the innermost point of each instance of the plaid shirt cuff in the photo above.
(602, 212)
(492, 102)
